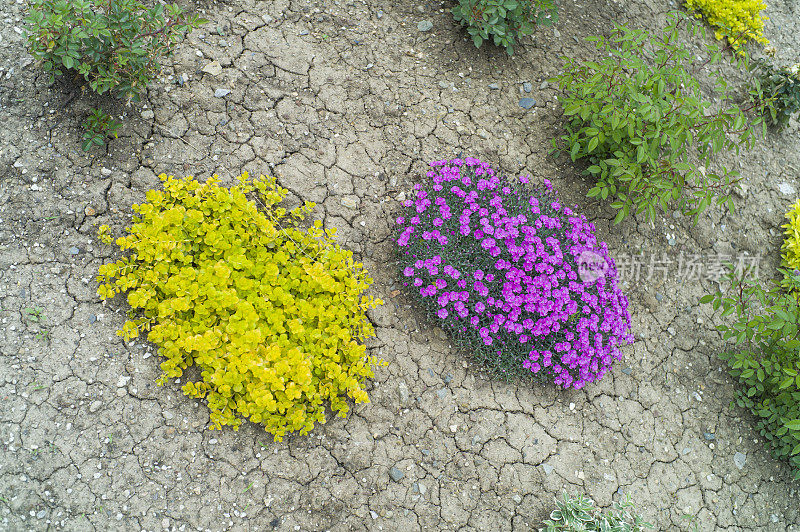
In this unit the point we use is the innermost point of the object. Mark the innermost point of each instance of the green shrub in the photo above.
(579, 514)
(114, 44)
(639, 118)
(270, 315)
(765, 356)
(504, 21)
(97, 128)
(780, 90)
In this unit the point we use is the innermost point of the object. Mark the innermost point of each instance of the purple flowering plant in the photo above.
(505, 272)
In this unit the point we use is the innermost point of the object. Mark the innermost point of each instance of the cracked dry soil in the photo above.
(346, 102)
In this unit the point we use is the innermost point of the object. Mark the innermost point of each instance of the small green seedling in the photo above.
(97, 128)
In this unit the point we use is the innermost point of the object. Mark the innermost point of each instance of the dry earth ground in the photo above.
(346, 101)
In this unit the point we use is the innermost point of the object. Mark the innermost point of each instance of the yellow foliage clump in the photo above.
(791, 241)
(271, 315)
(736, 20)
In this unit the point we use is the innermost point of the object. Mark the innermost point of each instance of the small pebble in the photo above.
(494, 86)
(527, 87)
(425, 25)
(527, 103)
(221, 93)
(74, 251)
(739, 459)
(396, 474)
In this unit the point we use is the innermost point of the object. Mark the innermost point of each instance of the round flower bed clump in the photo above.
(517, 279)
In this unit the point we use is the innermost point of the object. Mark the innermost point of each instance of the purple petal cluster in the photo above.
(501, 269)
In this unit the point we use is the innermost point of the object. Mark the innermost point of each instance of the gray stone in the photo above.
(95, 406)
(213, 68)
(74, 251)
(444, 85)
(425, 25)
(527, 103)
(442, 393)
(402, 392)
(659, 297)
(547, 469)
(373, 514)
(92, 318)
(709, 436)
(545, 84)
(396, 474)
(148, 114)
(739, 459)
(350, 202)
(221, 93)
(627, 371)
(494, 86)
(41, 514)
(527, 87)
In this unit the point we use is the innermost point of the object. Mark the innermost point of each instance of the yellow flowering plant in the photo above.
(272, 316)
(791, 243)
(735, 20)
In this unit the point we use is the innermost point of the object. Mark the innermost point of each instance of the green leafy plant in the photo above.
(114, 44)
(503, 21)
(638, 117)
(780, 90)
(579, 514)
(98, 127)
(765, 355)
(270, 315)
(33, 314)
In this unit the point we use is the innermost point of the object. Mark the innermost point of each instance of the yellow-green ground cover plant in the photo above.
(638, 117)
(765, 355)
(736, 20)
(791, 242)
(261, 318)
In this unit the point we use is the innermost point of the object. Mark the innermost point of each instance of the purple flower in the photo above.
(521, 273)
